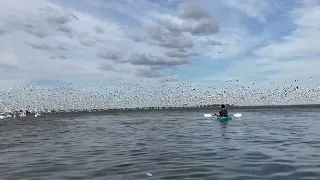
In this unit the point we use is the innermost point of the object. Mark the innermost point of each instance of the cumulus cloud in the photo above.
(146, 39)
(213, 42)
(198, 20)
(255, 9)
(52, 37)
(108, 54)
(301, 42)
(190, 18)
(285, 53)
(169, 39)
(181, 53)
(151, 60)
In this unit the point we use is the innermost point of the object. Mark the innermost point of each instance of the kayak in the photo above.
(227, 118)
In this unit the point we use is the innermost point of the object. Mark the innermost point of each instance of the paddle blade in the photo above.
(237, 115)
(207, 115)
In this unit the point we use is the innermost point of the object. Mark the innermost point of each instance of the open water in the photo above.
(268, 143)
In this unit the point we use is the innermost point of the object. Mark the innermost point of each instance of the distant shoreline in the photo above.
(204, 107)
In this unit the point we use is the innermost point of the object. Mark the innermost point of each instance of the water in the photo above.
(262, 144)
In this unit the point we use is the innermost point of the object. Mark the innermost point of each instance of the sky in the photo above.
(205, 41)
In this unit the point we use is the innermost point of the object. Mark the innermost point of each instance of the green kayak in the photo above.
(227, 118)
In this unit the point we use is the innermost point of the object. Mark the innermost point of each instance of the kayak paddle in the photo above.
(235, 115)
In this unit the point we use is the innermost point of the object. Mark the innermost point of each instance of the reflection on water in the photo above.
(224, 129)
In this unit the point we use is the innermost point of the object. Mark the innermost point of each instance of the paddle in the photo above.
(210, 115)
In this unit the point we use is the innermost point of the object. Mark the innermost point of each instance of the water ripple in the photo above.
(161, 145)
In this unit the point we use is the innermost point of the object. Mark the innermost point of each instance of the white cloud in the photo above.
(236, 42)
(42, 40)
(292, 56)
(302, 41)
(253, 8)
(47, 40)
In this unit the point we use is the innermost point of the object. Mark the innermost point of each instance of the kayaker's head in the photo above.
(223, 106)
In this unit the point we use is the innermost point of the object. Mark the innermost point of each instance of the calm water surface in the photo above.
(262, 144)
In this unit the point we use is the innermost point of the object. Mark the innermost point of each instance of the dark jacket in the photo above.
(223, 113)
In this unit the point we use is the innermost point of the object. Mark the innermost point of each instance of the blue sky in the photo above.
(204, 41)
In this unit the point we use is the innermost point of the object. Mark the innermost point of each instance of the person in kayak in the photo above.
(223, 112)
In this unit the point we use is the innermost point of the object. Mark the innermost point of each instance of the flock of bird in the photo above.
(119, 94)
